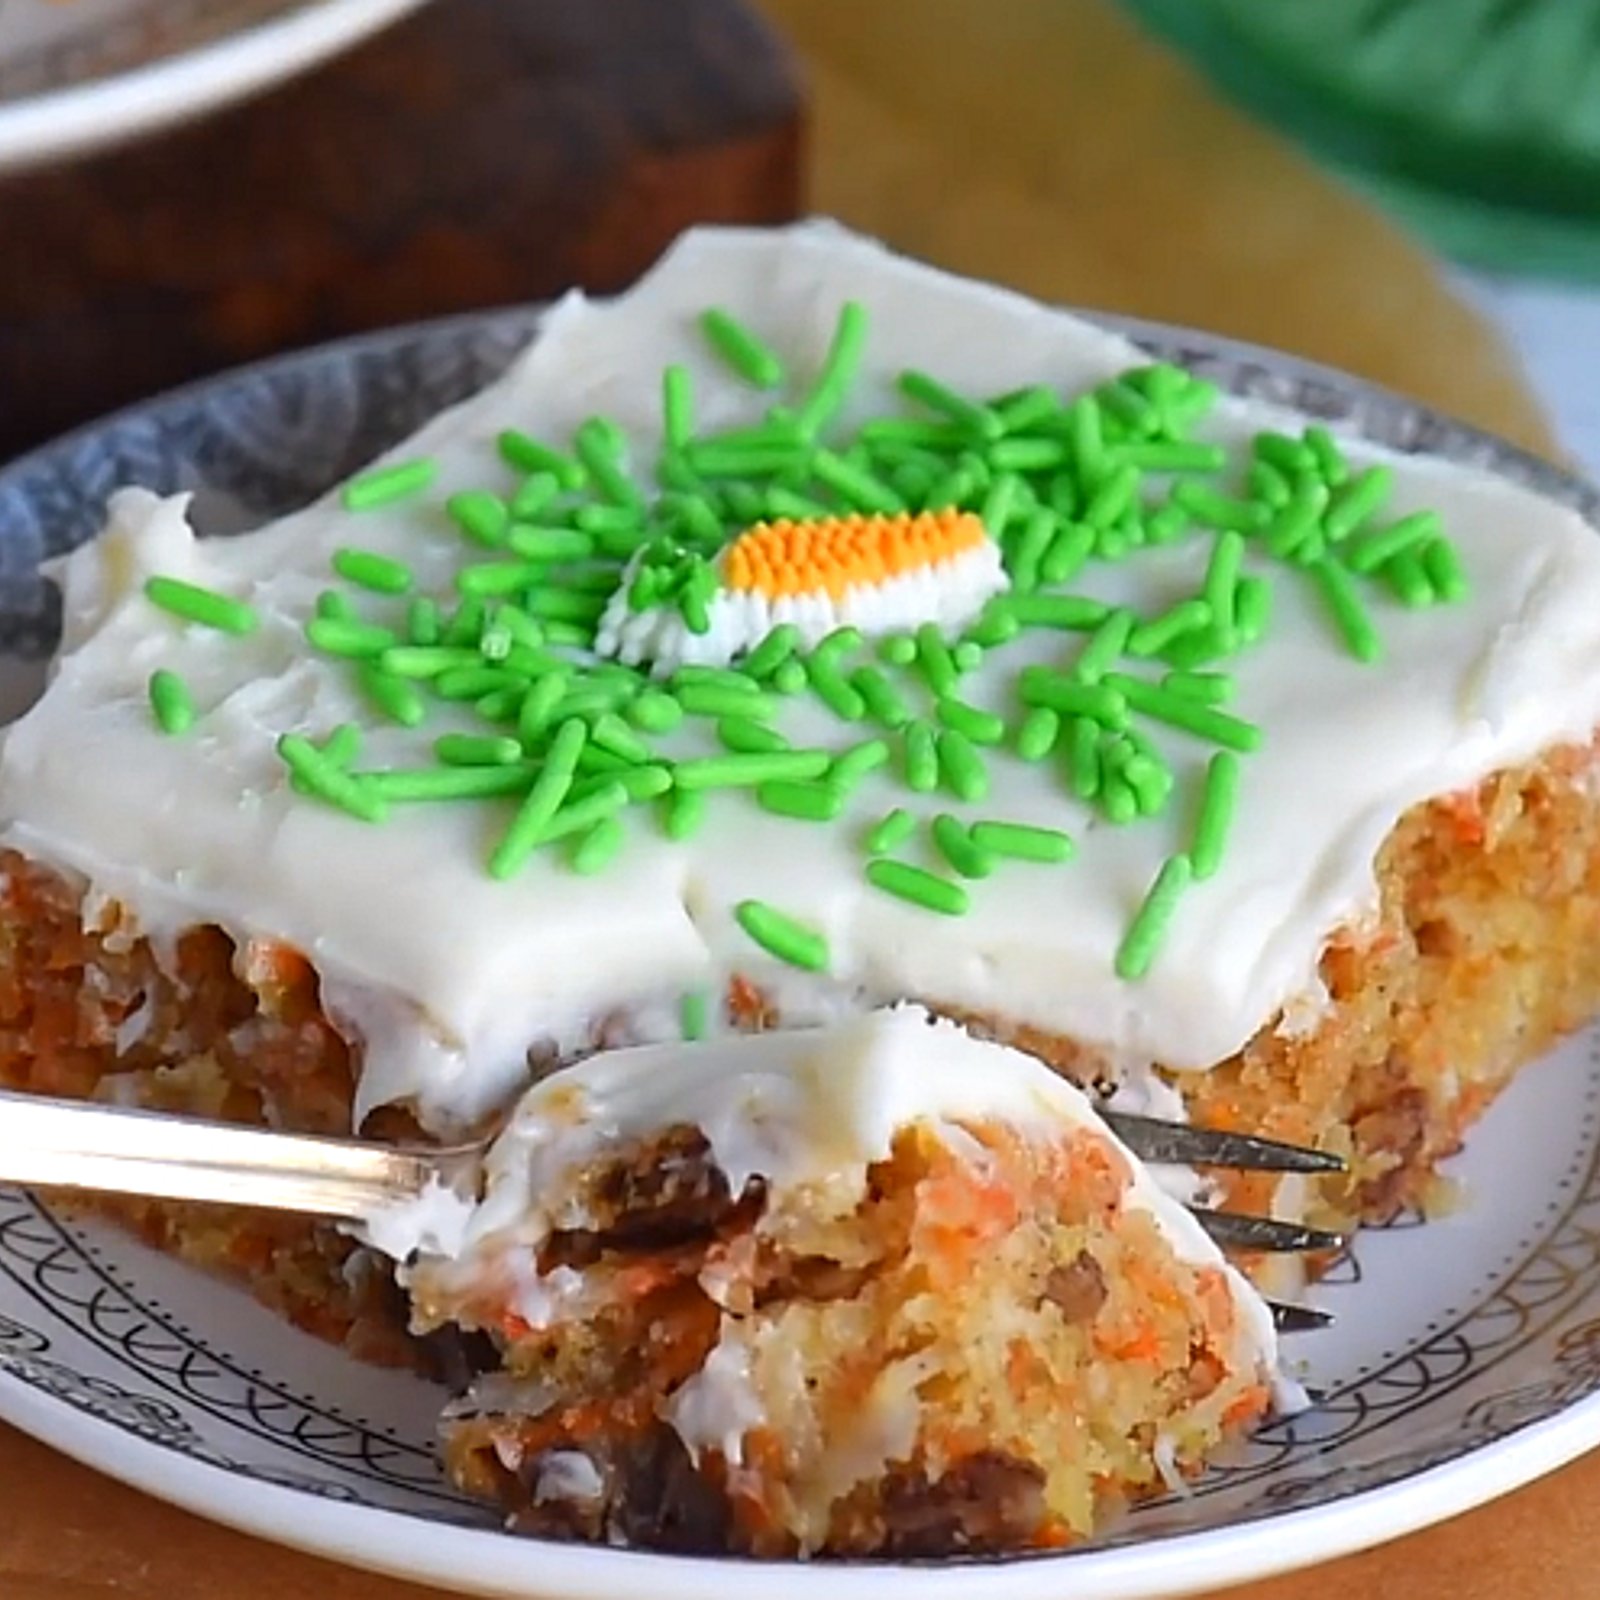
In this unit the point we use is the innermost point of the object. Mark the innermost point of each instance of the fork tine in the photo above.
(1154, 1140)
(1232, 1230)
(1297, 1319)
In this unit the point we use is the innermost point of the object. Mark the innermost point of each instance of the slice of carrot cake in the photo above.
(808, 630)
(873, 1289)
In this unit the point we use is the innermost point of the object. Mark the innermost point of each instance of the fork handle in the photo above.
(70, 1144)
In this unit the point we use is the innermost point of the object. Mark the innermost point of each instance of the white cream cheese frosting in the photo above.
(449, 976)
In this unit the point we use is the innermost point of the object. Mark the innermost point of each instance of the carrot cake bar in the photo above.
(872, 1289)
(804, 631)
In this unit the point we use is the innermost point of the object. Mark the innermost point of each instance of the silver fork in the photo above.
(82, 1145)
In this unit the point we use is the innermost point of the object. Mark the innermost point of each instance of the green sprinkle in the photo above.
(746, 736)
(773, 651)
(1199, 646)
(1217, 805)
(1026, 553)
(542, 801)
(810, 802)
(1083, 758)
(890, 831)
(469, 683)
(609, 796)
(1442, 567)
(686, 813)
(333, 605)
(645, 782)
(1209, 688)
(1173, 456)
(1165, 525)
(1072, 612)
(855, 763)
(1348, 613)
(833, 689)
(995, 627)
(855, 485)
(1086, 433)
(171, 702)
(397, 699)
(921, 758)
(476, 750)
(919, 888)
(694, 1015)
(1222, 577)
(1409, 579)
(934, 660)
(597, 849)
(677, 406)
(1037, 734)
(193, 603)
(746, 771)
(782, 502)
(1027, 408)
(385, 485)
(343, 745)
(534, 499)
(967, 655)
(956, 487)
(781, 936)
(422, 621)
(1357, 501)
(1118, 798)
(1149, 927)
(1330, 461)
(1203, 721)
(961, 767)
(1372, 550)
(484, 579)
(981, 727)
(838, 371)
(539, 705)
(611, 733)
(1028, 455)
(1213, 510)
(746, 461)
(449, 783)
(599, 447)
(1042, 686)
(1151, 638)
(356, 640)
(954, 843)
(742, 350)
(369, 570)
(321, 777)
(1267, 484)
(1298, 520)
(1069, 550)
(840, 642)
(1022, 842)
(882, 700)
(789, 677)
(1105, 647)
(1286, 454)
(465, 627)
(1112, 499)
(929, 392)
(713, 700)
(1252, 608)
(733, 679)
(564, 605)
(534, 543)
(527, 454)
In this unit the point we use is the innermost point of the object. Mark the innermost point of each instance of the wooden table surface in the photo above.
(1041, 143)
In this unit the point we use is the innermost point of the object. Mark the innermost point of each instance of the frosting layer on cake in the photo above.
(449, 975)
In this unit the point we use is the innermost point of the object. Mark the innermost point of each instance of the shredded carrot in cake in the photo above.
(828, 555)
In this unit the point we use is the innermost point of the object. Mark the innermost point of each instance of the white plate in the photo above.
(1465, 1359)
(76, 75)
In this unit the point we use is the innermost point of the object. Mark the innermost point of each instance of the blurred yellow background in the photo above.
(1048, 145)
